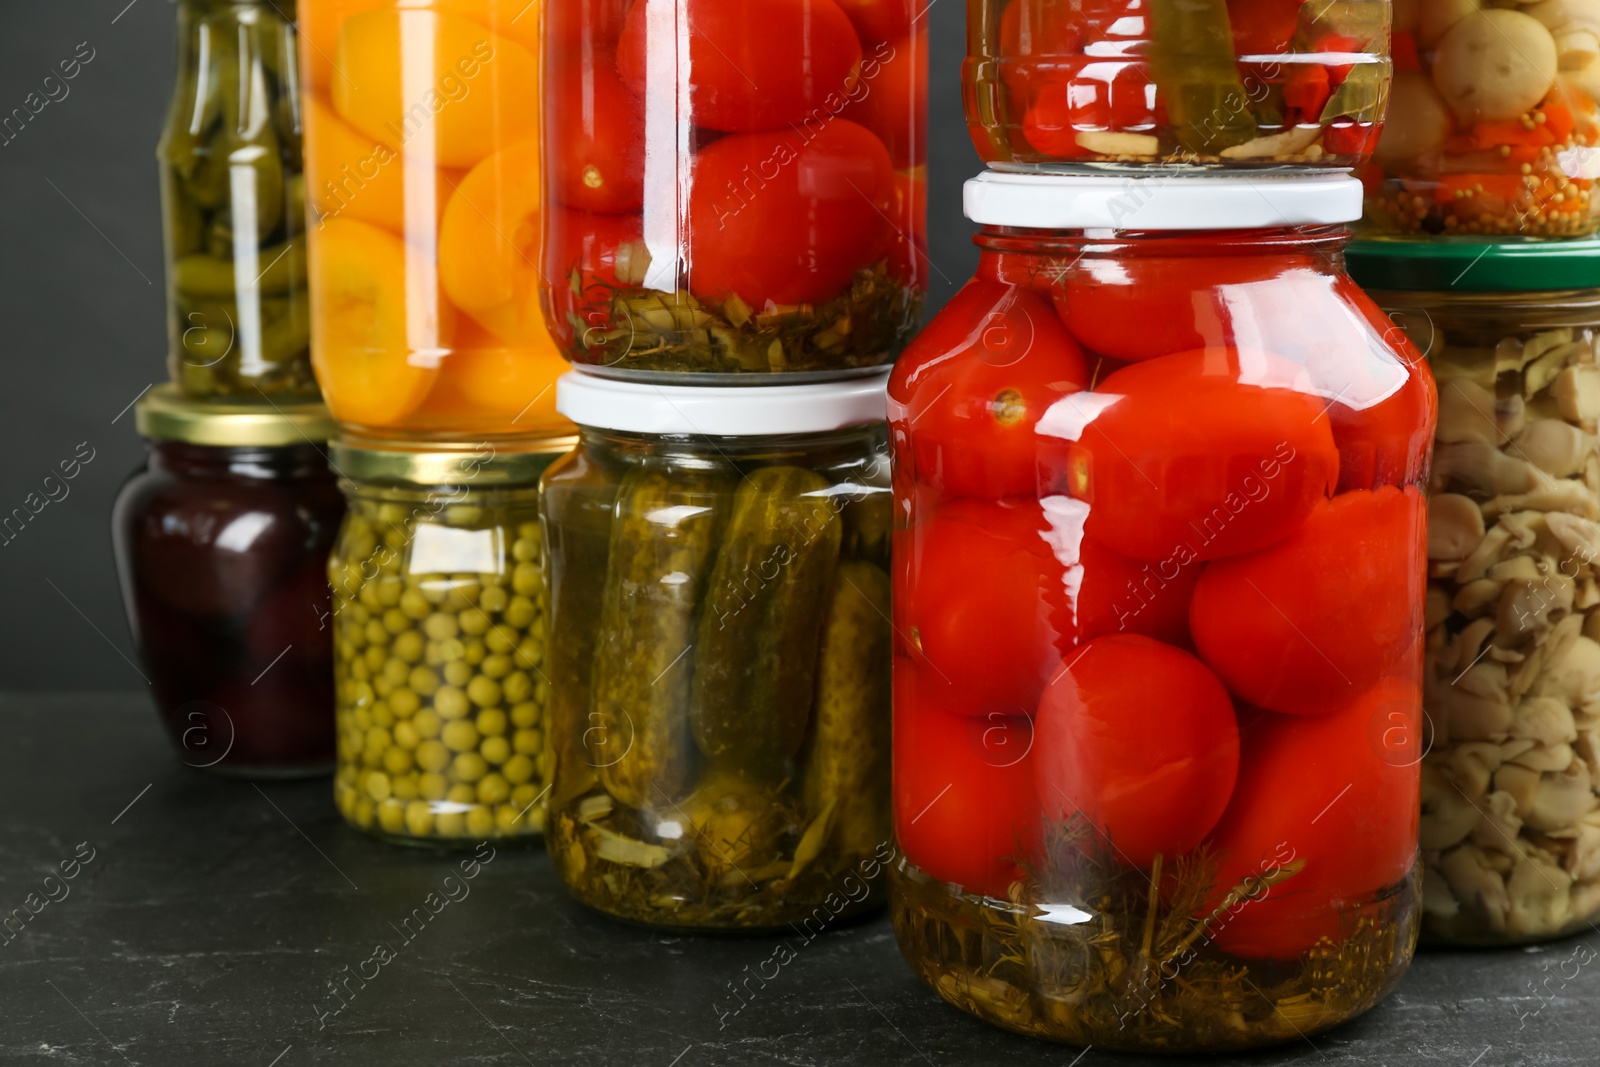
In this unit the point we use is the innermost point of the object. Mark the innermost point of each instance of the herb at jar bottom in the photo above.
(646, 330)
(1132, 968)
(441, 702)
(665, 815)
(234, 205)
(1510, 827)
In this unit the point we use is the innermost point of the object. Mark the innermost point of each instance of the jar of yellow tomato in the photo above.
(422, 174)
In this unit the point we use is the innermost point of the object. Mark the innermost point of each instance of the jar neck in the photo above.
(1020, 256)
(285, 463)
(803, 448)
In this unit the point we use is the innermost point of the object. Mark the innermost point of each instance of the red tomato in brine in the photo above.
(1321, 791)
(883, 20)
(1141, 739)
(982, 602)
(964, 804)
(908, 252)
(1303, 626)
(751, 66)
(1118, 595)
(891, 98)
(1197, 455)
(1263, 27)
(788, 216)
(596, 140)
(1139, 307)
(971, 387)
(590, 248)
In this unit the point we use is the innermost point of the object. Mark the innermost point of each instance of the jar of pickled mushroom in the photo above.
(1510, 814)
(422, 171)
(222, 542)
(439, 627)
(1491, 125)
(735, 188)
(719, 667)
(233, 202)
(1157, 617)
(1130, 84)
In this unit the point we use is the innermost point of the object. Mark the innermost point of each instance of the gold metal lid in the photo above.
(490, 463)
(166, 414)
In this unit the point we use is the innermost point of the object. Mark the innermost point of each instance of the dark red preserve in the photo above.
(222, 542)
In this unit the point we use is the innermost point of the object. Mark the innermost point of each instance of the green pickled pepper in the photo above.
(1193, 65)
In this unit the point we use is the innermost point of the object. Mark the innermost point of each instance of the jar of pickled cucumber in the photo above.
(1157, 617)
(422, 172)
(1510, 808)
(222, 542)
(1491, 126)
(1130, 84)
(735, 188)
(233, 202)
(440, 634)
(719, 668)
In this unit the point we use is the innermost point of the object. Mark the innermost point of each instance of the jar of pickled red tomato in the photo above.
(1512, 668)
(234, 202)
(719, 668)
(734, 188)
(1135, 84)
(439, 640)
(222, 542)
(422, 172)
(1158, 602)
(1492, 127)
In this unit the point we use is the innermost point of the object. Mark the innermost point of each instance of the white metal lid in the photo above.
(721, 410)
(1161, 201)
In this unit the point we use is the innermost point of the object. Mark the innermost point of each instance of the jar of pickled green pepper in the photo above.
(719, 662)
(233, 203)
(440, 640)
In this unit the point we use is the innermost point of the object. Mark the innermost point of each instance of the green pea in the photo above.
(451, 702)
(376, 634)
(458, 673)
(516, 687)
(415, 605)
(496, 666)
(474, 652)
(389, 591)
(493, 599)
(483, 691)
(530, 654)
(407, 646)
(500, 639)
(369, 597)
(529, 530)
(521, 612)
(405, 702)
(395, 621)
(527, 579)
(396, 671)
(440, 626)
(524, 550)
(375, 655)
(424, 681)
(472, 621)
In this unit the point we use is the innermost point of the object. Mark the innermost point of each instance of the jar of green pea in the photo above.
(439, 632)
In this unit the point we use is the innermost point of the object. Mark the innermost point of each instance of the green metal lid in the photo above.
(1463, 264)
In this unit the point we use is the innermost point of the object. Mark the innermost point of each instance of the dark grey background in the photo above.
(81, 317)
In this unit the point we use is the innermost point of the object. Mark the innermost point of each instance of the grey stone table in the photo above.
(209, 919)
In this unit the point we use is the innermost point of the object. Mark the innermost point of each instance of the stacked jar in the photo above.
(223, 536)
(734, 252)
(425, 197)
(1510, 810)
(1159, 535)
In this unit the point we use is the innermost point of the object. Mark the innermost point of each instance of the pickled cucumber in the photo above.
(661, 546)
(847, 756)
(233, 197)
(1193, 66)
(758, 636)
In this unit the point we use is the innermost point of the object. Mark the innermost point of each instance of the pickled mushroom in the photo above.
(1575, 24)
(1495, 65)
(1418, 119)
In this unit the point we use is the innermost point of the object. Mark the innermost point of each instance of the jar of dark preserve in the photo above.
(222, 542)
(1158, 617)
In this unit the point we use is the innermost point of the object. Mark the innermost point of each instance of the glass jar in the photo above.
(1510, 815)
(439, 640)
(221, 542)
(233, 202)
(1491, 126)
(1158, 629)
(720, 666)
(422, 168)
(1130, 84)
(735, 189)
